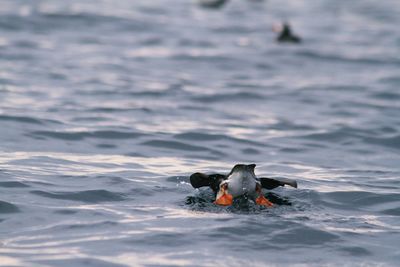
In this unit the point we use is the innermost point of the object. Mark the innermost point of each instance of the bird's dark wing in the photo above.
(270, 183)
(212, 180)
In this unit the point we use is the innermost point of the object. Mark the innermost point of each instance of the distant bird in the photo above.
(285, 34)
(212, 3)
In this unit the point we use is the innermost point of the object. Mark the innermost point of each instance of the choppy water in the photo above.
(106, 108)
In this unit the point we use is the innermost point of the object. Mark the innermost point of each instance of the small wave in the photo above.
(392, 212)
(90, 225)
(17, 56)
(392, 80)
(137, 191)
(199, 136)
(328, 136)
(206, 57)
(150, 93)
(106, 146)
(156, 239)
(340, 134)
(109, 110)
(264, 66)
(71, 136)
(240, 96)
(57, 76)
(178, 179)
(251, 151)
(152, 41)
(88, 196)
(21, 119)
(392, 142)
(293, 150)
(47, 21)
(66, 211)
(90, 119)
(359, 199)
(355, 251)
(233, 29)
(25, 44)
(74, 18)
(174, 145)
(6, 207)
(204, 136)
(304, 236)
(196, 43)
(343, 58)
(11, 22)
(242, 85)
(387, 96)
(345, 88)
(285, 125)
(82, 261)
(57, 20)
(12, 184)
(253, 231)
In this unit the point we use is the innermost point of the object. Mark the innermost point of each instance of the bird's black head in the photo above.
(243, 168)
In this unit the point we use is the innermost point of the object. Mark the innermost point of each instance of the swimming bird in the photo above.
(240, 181)
(212, 3)
(286, 34)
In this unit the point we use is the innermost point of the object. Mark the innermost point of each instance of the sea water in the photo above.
(107, 107)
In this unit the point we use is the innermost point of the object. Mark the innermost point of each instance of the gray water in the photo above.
(107, 107)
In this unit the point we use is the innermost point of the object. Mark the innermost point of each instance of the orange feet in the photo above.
(224, 200)
(223, 197)
(261, 200)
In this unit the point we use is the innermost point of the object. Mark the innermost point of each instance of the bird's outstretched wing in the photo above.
(199, 179)
(271, 183)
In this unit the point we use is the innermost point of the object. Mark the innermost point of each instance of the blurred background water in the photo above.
(106, 108)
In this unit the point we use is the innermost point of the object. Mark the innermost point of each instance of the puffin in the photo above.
(241, 181)
(212, 3)
(285, 34)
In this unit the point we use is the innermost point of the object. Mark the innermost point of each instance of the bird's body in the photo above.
(240, 181)
(212, 3)
(286, 35)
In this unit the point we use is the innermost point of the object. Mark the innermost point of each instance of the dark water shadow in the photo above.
(6, 207)
(13, 184)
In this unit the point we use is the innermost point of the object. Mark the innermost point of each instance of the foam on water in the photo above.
(107, 108)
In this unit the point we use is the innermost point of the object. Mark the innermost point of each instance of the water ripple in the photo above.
(88, 196)
(6, 207)
(22, 119)
(175, 145)
(391, 142)
(241, 96)
(13, 184)
(85, 134)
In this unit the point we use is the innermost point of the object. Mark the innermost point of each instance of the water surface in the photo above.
(107, 107)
